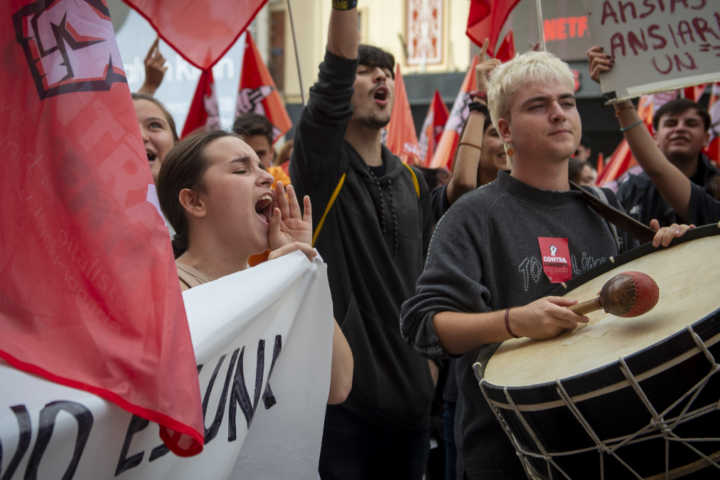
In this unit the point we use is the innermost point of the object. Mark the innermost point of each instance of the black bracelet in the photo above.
(344, 4)
(479, 107)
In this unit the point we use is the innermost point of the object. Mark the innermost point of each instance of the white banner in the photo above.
(263, 345)
(658, 45)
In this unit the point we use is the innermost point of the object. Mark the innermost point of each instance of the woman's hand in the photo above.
(484, 67)
(599, 62)
(155, 69)
(665, 235)
(287, 224)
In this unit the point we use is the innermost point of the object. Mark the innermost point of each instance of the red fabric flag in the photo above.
(486, 19)
(713, 149)
(622, 158)
(90, 295)
(204, 110)
(401, 137)
(257, 92)
(201, 31)
(694, 93)
(432, 128)
(600, 163)
(506, 51)
(445, 152)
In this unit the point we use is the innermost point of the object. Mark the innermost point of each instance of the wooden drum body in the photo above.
(622, 398)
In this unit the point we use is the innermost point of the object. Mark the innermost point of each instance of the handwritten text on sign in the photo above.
(657, 45)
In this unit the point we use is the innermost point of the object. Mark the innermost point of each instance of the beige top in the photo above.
(189, 277)
(689, 281)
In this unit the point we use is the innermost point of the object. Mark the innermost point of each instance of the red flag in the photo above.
(204, 109)
(401, 137)
(432, 128)
(486, 19)
(694, 93)
(506, 51)
(713, 149)
(600, 163)
(201, 31)
(445, 151)
(257, 92)
(90, 296)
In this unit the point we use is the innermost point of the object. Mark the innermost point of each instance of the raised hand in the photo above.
(154, 69)
(599, 62)
(288, 225)
(484, 67)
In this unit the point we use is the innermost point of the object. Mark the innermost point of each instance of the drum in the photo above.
(621, 398)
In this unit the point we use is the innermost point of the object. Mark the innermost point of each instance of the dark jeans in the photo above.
(354, 449)
(450, 450)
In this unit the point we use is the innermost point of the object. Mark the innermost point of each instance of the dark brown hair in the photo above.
(376, 57)
(251, 124)
(168, 117)
(681, 105)
(184, 167)
(575, 168)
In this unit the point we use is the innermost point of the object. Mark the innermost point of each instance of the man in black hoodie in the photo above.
(372, 227)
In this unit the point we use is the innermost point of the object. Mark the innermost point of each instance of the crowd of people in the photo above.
(422, 279)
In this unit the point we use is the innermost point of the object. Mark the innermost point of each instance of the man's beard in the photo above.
(374, 121)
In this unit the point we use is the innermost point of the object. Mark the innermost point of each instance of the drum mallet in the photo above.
(628, 294)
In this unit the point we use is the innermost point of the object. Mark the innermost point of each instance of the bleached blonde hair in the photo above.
(532, 67)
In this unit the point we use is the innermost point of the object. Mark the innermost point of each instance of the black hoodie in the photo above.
(372, 270)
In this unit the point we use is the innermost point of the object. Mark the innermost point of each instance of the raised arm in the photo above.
(467, 159)
(672, 184)
(342, 34)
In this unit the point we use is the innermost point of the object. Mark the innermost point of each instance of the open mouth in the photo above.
(263, 208)
(381, 95)
(151, 156)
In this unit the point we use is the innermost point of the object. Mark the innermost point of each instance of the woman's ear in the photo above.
(192, 203)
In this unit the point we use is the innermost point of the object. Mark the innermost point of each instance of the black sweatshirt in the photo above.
(485, 257)
(371, 271)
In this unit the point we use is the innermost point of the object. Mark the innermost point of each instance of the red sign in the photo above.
(555, 259)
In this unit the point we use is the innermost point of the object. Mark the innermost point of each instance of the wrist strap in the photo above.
(625, 129)
(470, 145)
(507, 323)
(478, 94)
(480, 108)
(344, 4)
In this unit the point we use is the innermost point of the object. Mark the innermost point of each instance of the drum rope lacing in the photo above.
(659, 423)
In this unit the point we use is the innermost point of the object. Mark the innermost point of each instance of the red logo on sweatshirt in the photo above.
(555, 259)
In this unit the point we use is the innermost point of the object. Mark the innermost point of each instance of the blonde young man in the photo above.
(483, 280)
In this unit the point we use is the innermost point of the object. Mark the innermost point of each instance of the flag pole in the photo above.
(297, 56)
(538, 8)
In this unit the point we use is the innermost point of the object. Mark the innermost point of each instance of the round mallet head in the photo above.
(629, 294)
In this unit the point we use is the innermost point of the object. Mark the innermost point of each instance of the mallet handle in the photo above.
(586, 307)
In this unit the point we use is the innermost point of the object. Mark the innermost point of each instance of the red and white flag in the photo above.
(445, 151)
(432, 128)
(506, 50)
(401, 136)
(201, 31)
(257, 92)
(713, 149)
(486, 20)
(694, 93)
(204, 110)
(90, 296)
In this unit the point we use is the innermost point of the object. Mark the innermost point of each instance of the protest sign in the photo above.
(263, 341)
(657, 45)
